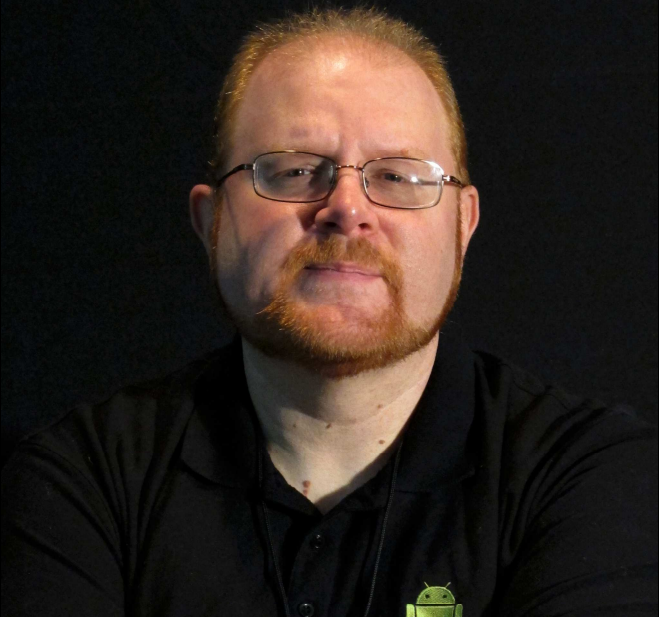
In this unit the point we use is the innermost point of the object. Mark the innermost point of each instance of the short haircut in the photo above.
(369, 24)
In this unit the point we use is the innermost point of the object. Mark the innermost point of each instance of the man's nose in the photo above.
(347, 210)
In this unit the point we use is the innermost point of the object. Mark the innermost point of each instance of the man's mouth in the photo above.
(344, 268)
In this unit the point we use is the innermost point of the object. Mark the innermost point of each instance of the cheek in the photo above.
(429, 266)
(252, 243)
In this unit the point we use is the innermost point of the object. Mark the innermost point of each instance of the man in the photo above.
(347, 454)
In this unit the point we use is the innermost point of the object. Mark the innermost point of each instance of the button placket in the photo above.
(313, 573)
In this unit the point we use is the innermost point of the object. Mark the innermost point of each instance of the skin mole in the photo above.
(305, 487)
(329, 425)
(381, 441)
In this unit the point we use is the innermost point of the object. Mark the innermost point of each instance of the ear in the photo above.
(470, 212)
(201, 213)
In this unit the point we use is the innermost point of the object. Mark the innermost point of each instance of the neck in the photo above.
(329, 436)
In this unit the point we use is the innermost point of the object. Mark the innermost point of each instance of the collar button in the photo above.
(306, 609)
(318, 541)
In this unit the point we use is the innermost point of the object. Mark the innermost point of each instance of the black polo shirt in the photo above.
(512, 498)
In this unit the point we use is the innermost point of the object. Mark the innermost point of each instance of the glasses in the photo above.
(304, 177)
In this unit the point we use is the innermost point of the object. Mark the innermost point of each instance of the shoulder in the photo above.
(537, 432)
(136, 426)
(516, 398)
(526, 423)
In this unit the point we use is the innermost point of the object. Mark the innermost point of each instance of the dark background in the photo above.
(106, 121)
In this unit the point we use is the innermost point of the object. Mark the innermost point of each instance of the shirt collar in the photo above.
(221, 438)
(437, 450)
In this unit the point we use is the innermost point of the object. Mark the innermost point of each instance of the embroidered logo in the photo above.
(434, 602)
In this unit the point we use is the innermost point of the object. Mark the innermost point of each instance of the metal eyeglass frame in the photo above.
(445, 179)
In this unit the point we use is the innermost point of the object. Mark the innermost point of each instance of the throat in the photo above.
(326, 478)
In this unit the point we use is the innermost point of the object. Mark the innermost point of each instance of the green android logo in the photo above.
(435, 602)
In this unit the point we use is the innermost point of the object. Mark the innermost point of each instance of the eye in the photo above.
(294, 173)
(393, 176)
(390, 176)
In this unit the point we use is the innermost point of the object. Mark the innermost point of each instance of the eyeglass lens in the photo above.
(302, 177)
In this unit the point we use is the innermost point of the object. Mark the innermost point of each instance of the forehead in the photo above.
(339, 94)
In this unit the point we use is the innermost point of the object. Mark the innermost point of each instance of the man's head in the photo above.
(341, 284)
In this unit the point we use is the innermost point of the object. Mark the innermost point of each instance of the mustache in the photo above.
(318, 252)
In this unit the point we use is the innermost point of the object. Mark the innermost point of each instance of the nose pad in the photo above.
(363, 182)
(359, 182)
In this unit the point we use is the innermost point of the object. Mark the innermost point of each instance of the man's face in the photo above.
(341, 285)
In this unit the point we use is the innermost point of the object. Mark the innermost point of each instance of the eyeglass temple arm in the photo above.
(453, 180)
(445, 179)
(243, 167)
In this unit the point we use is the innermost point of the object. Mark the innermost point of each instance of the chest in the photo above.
(211, 556)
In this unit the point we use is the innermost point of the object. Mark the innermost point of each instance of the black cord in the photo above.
(280, 579)
(390, 500)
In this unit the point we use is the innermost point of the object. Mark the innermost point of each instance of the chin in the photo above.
(336, 341)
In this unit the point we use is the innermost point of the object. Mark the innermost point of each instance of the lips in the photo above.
(346, 268)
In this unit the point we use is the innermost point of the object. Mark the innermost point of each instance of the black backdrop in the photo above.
(106, 121)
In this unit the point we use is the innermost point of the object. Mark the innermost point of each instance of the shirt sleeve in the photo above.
(61, 549)
(589, 545)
